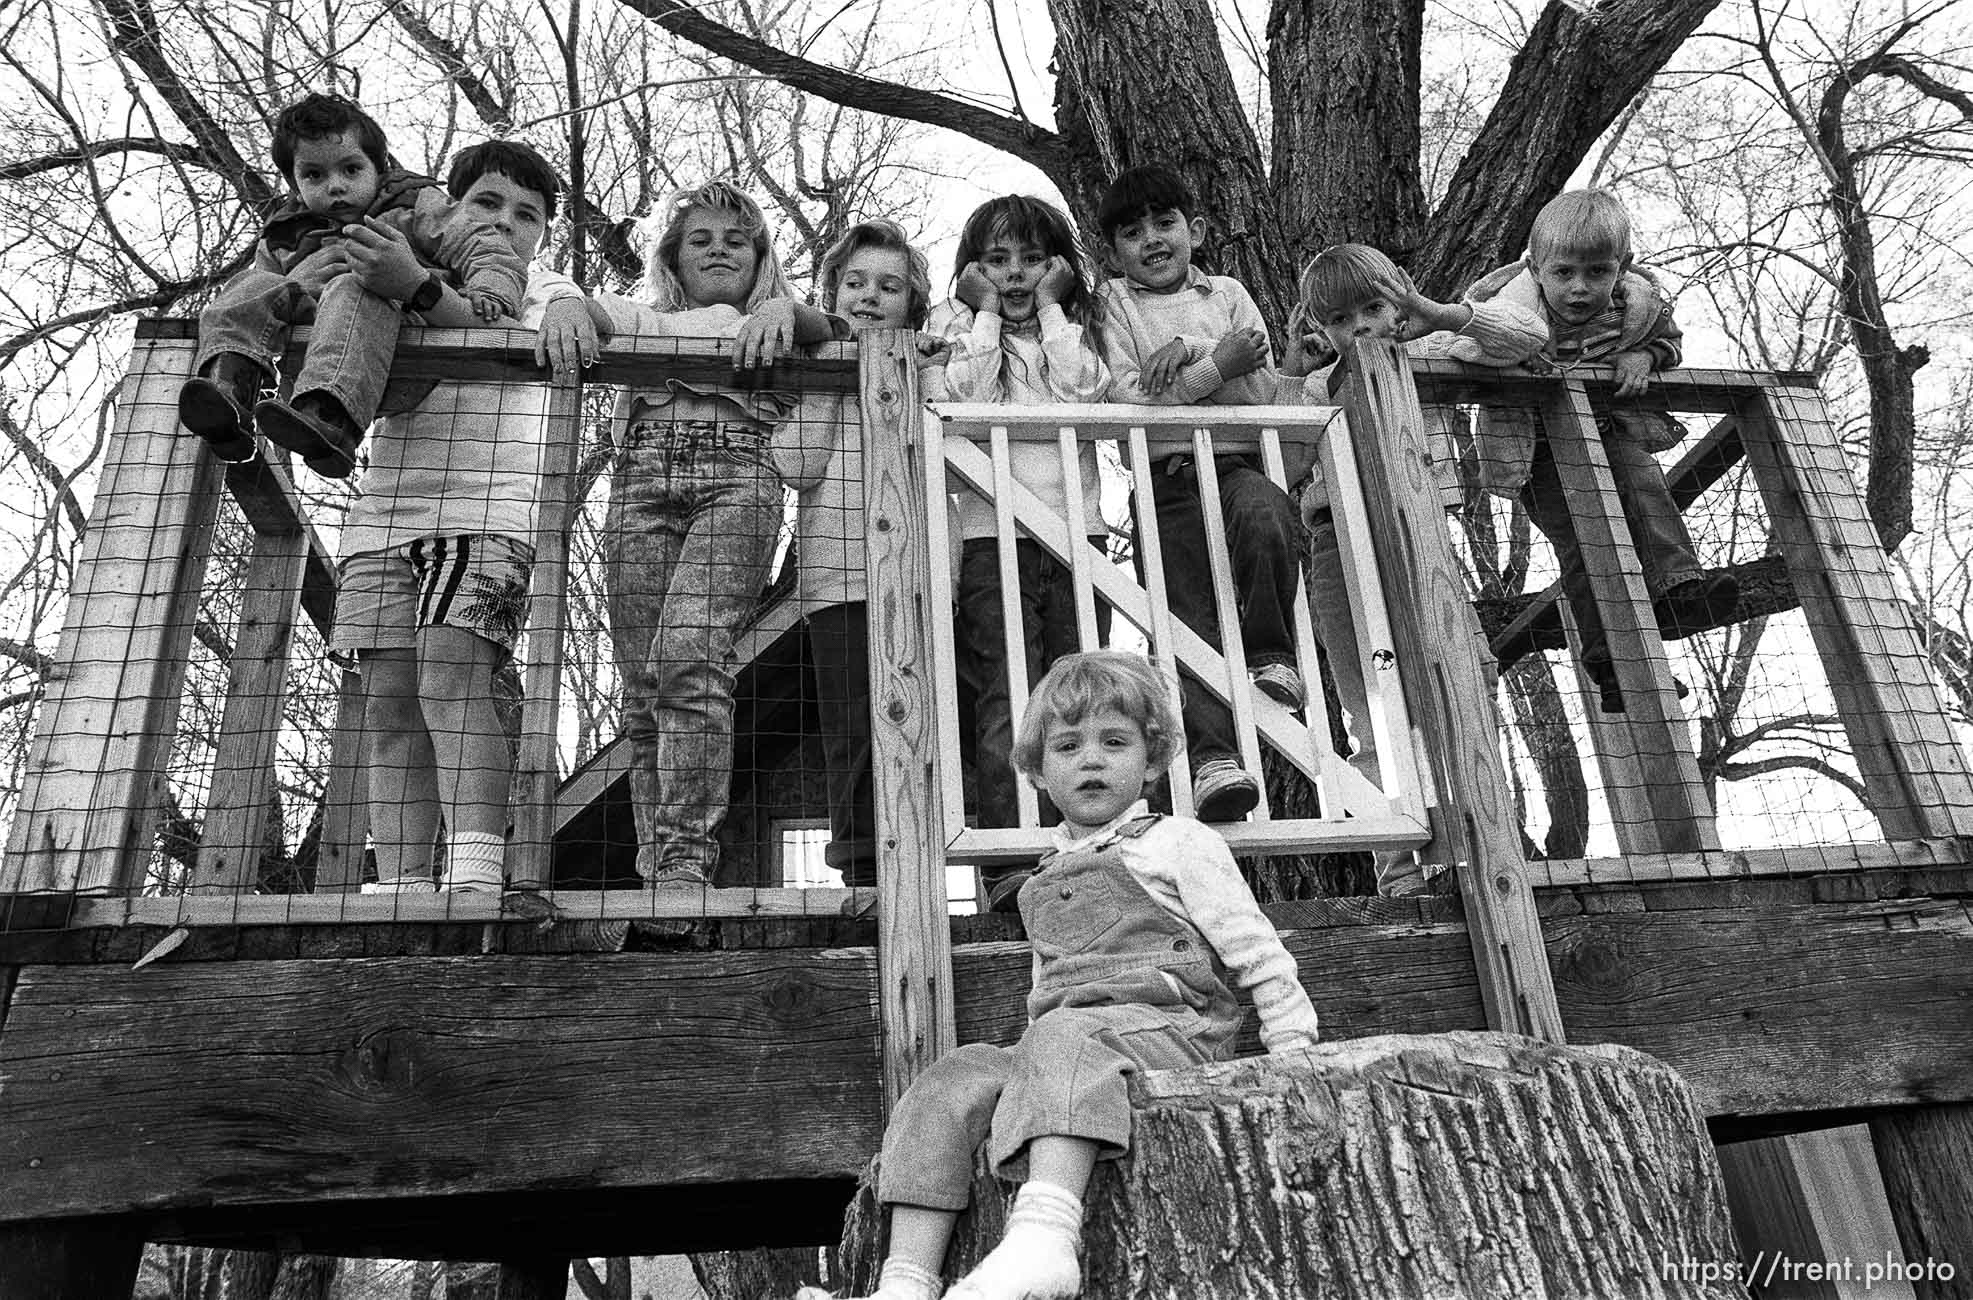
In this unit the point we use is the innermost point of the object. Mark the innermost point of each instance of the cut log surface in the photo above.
(1436, 1167)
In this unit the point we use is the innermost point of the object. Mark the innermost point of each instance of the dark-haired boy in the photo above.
(336, 161)
(437, 550)
(1174, 335)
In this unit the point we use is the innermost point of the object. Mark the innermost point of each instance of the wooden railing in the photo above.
(85, 823)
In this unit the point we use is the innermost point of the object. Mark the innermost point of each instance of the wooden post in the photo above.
(1439, 645)
(914, 946)
(1650, 775)
(95, 772)
(1926, 1157)
(533, 1279)
(70, 1259)
(1916, 774)
(346, 799)
(256, 690)
(538, 773)
(1812, 1199)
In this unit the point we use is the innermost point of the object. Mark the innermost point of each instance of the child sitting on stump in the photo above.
(1137, 922)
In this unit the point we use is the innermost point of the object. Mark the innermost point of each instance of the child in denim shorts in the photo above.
(335, 158)
(437, 555)
(1142, 927)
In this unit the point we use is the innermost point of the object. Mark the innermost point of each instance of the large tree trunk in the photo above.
(1343, 77)
(1143, 81)
(1404, 1166)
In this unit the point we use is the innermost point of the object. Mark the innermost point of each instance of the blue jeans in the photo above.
(350, 349)
(1657, 529)
(694, 512)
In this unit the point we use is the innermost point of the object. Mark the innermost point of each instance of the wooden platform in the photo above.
(352, 1088)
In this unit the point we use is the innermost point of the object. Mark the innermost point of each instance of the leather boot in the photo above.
(217, 405)
(315, 427)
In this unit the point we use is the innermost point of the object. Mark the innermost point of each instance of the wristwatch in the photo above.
(426, 296)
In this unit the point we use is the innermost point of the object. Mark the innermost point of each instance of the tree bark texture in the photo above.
(1343, 78)
(1462, 1164)
(1579, 68)
(1144, 81)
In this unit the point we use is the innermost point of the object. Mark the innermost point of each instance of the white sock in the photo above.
(415, 882)
(475, 863)
(900, 1280)
(1036, 1260)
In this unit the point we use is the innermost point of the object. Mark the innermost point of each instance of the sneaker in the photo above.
(685, 874)
(312, 428)
(1697, 604)
(1610, 697)
(1222, 791)
(1282, 684)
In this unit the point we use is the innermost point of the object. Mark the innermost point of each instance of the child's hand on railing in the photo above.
(1240, 353)
(976, 290)
(1161, 367)
(566, 343)
(1633, 372)
(766, 336)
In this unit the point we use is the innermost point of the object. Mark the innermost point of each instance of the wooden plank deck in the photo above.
(339, 1096)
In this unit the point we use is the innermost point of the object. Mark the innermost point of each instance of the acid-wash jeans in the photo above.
(695, 508)
(1122, 985)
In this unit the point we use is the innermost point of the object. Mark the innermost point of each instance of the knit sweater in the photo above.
(1209, 307)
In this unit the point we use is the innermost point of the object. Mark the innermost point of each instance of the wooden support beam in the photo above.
(1810, 1213)
(198, 1084)
(346, 796)
(1658, 802)
(70, 1259)
(914, 951)
(1475, 827)
(1926, 1157)
(95, 771)
(250, 724)
(1912, 766)
(267, 497)
(538, 774)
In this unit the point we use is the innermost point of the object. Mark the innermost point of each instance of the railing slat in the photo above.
(1013, 627)
(1241, 698)
(1158, 625)
(1079, 581)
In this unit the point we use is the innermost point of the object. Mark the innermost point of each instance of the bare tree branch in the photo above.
(452, 61)
(1022, 139)
(48, 162)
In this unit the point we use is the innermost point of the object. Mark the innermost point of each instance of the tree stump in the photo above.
(1437, 1167)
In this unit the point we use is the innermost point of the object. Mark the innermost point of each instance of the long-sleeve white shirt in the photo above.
(1186, 867)
(987, 363)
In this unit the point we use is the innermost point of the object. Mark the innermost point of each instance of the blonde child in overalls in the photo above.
(1142, 928)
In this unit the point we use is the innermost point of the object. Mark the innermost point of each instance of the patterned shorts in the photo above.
(478, 582)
